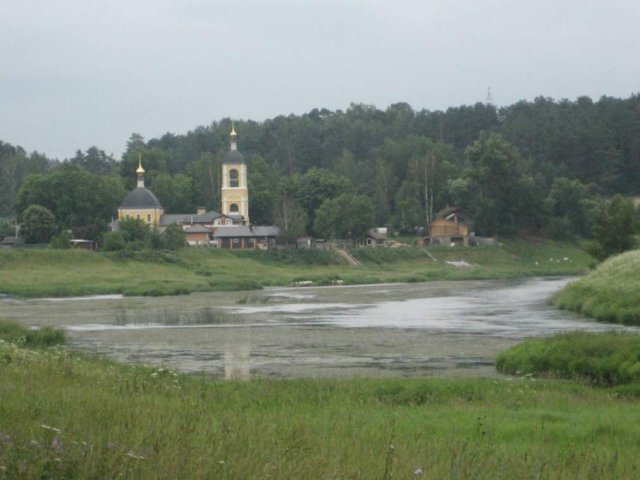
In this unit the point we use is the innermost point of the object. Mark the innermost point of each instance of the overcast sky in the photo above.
(91, 72)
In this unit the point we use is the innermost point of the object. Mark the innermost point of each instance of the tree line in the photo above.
(541, 166)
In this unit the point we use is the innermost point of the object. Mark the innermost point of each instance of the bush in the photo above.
(605, 359)
(42, 337)
(113, 241)
(61, 241)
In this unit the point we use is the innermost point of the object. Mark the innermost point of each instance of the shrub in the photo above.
(42, 337)
(606, 359)
(61, 241)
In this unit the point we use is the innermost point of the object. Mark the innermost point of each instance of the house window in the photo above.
(233, 178)
(233, 208)
(235, 240)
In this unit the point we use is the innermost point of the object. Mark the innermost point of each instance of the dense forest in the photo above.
(539, 166)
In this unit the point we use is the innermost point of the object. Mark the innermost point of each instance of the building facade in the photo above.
(141, 203)
(235, 192)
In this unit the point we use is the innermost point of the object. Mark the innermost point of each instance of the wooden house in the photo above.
(451, 227)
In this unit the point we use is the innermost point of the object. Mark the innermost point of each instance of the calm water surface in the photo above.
(437, 328)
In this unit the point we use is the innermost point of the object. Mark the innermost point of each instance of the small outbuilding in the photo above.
(377, 237)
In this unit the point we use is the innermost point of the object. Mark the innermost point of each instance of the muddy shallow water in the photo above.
(437, 328)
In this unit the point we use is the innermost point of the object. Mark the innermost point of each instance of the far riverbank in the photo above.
(33, 273)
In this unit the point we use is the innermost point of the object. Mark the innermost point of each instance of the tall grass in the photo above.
(64, 416)
(605, 359)
(610, 293)
(32, 338)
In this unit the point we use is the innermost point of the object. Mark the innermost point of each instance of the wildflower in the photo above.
(53, 429)
(130, 454)
(418, 472)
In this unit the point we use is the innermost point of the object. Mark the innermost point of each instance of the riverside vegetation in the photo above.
(68, 416)
(610, 293)
(46, 272)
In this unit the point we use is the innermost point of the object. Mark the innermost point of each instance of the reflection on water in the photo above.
(236, 362)
(451, 328)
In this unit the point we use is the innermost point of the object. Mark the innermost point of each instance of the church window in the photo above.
(148, 218)
(233, 178)
(233, 208)
(138, 216)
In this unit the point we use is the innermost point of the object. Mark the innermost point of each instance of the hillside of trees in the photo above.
(541, 166)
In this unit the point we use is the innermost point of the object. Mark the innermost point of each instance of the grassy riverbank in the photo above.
(610, 293)
(65, 416)
(37, 273)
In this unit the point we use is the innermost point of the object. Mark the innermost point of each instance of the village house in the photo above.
(451, 227)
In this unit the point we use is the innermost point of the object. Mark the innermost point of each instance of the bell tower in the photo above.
(235, 193)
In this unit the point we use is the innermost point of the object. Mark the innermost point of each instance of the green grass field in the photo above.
(610, 293)
(46, 272)
(65, 416)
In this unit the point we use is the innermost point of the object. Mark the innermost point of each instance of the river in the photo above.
(436, 328)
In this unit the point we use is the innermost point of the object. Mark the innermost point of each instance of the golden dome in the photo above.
(233, 130)
(140, 170)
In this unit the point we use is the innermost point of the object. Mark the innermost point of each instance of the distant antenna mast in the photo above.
(489, 100)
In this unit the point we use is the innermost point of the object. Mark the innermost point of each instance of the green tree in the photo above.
(263, 187)
(615, 228)
(175, 192)
(500, 196)
(174, 237)
(76, 197)
(206, 173)
(313, 188)
(15, 166)
(290, 218)
(37, 224)
(569, 209)
(347, 216)
(94, 160)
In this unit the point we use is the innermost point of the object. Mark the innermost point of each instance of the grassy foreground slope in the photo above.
(37, 273)
(610, 293)
(65, 416)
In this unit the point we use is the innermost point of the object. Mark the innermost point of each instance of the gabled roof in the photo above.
(197, 229)
(237, 231)
(450, 212)
(140, 197)
(189, 218)
(376, 235)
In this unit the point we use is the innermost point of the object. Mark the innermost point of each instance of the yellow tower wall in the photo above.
(238, 195)
(150, 216)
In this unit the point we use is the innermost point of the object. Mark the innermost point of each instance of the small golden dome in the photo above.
(233, 130)
(140, 170)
